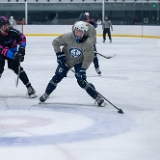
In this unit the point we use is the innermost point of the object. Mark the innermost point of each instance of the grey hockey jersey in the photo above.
(75, 52)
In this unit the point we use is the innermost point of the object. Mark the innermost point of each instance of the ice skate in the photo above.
(98, 71)
(31, 92)
(44, 97)
(100, 101)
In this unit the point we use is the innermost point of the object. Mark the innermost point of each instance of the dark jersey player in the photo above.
(12, 50)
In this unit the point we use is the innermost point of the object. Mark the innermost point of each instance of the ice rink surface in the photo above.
(69, 126)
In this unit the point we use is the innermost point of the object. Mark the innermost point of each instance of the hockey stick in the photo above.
(19, 69)
(107, 57)
(119, 110)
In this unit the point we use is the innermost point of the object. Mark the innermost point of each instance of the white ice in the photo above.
(69, 126)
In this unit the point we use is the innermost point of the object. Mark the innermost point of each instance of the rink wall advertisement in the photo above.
(118, 30)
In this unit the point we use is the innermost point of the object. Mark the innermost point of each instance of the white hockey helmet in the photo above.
(83, 26)
(11, 17)
(86, 13)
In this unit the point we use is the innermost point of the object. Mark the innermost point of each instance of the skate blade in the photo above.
(103, 105)
(32, 96)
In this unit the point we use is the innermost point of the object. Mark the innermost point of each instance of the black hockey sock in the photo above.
(28, 84)
(50, 88)
(90, 89)
(24, 78)
(53, 83)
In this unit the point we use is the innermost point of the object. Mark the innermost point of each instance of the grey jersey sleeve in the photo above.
(111, 24)
(58, 42)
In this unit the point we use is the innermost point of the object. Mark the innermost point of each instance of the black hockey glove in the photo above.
(81, 75)
(61, 58)
(18, 56)
(21, 49)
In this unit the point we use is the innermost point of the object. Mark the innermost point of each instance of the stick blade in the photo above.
(112, 56)
(120, 111)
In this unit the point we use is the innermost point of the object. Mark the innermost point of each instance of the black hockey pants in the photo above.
(13, 65)
(106, 30)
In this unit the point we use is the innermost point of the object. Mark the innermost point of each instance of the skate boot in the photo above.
(103, 41)
(110, 41)
(98, 71)
(100, 101)
(44, 97)
(31, 92)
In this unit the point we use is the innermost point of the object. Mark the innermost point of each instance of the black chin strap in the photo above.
(84, 38)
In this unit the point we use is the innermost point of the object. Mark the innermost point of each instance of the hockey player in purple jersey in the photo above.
(77, 51)
(12, 49)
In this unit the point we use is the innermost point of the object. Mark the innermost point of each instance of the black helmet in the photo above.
(3, 21)
(82, 17)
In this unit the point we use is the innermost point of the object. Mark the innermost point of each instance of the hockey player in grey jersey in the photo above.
(77, 52)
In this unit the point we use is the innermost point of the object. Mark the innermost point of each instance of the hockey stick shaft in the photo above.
(102, 96)
(19, 68)
(105, 56)
(119, 110)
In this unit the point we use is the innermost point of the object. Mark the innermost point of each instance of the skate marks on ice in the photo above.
(59, 123)
(103, 75)
(3, 104)
(107, 108)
